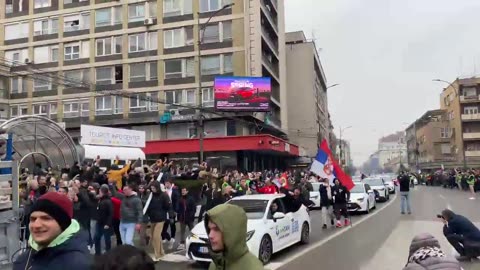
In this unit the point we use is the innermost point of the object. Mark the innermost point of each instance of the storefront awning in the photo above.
(264, 142)
(110, 152)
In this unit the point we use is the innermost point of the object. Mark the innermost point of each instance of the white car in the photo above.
(315, 194)
(379, 188)
(390, 185)
(266, 233)
(362, 198)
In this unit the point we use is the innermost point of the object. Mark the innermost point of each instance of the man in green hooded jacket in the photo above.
(226, 227)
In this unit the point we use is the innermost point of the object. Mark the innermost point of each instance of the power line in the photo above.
(121, 93)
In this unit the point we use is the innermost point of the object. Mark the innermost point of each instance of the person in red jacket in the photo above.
(116, 218)
(269, 188)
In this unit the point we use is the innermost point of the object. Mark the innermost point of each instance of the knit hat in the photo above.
(58, 206)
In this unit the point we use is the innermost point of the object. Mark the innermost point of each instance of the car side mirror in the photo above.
(278, 215)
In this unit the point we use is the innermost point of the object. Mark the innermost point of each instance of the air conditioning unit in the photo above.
(28, 61)
(148, 21)
(174, 112)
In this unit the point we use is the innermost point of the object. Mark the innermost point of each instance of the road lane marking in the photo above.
(441, 196)
(277, 265)
(176, 258)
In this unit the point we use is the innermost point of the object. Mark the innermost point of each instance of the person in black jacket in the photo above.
(157, 211)
(104, 220)
(459, 231)
(186, 215)
(405, 193)
(83, 214)
(326, 202)
(341, 196)
(56, 240)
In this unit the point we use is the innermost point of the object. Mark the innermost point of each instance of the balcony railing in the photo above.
(472, 153)
(469, 98)
(471, 116)
(271, 42)
(270, 65)
(273, 19)
(471, 135)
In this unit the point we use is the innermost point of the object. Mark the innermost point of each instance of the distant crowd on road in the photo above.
(464, 180)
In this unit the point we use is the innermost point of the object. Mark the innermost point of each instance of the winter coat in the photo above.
(236, 255)
(404, 183)
(214, 198)
(86, 202)
(459, 224)
(186, 209)
(131, 210)
(105, 211)
(115, 176)
(117, 203)
(431, 262)
(159, 207)
(325, 201)
(340, 194)
(68, 250)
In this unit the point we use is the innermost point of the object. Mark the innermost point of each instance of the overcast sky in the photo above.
(384, 54)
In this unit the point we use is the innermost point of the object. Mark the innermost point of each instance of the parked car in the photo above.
(379, 188)
(315, 194)
(266, 233)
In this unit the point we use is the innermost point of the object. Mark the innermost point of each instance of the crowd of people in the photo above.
(464, 180)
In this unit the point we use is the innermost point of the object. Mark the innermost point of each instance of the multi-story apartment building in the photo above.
(461, 101)
(429, 142)
(65, 54)
(307, 101)
(392, 147)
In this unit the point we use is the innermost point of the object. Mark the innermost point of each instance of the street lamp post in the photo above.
(317, 96)
(201, 32)
(341, 148)
(457, 94)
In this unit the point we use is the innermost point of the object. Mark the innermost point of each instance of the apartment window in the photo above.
(174, 38)
(451, 115)
(138, 72)
(142, 42)
(138, 103)
(445, 133)
(445, 148)
(8, 6)
(176, 7)
(108, 46)
(79, 78)
(226, 30)
(103, 75)
(227, 63)
(17, 85)
(18, 110)
(42, 83)
(469, 92)
(41, 3)
(174, 97)
(208, 97)
(71, 109)
(45, 27)
(53, 109)
(190, 96)
(72, 51)
(76, 22)
(152, 9)
(179, 68)
(209, 5)
(211, 65)
(71, 1)
(40, 109)
(153, 104)
(16, 56)
(16, 30)
(470, 110)
(108, 16)
(153, 71)
(136, 12)
(103, 105)
(118, 105)
(211, 34)
(45, 54)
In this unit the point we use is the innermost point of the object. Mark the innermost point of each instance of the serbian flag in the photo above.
(326, 167)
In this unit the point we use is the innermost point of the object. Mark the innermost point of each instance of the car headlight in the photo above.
(194, 236)
(250, 234)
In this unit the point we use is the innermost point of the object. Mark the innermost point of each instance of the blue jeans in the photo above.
(405, 201)
(127, 230)
(100, 232)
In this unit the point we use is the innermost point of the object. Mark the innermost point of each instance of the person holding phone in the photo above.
(460, 232)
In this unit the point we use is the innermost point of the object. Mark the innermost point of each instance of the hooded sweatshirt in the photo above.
(68, 249)
(131, 210)
(425, 254)
(232, 222)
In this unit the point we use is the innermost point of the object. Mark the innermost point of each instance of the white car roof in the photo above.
(259, 197)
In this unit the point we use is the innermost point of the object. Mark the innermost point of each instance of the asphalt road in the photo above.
(382, 241)
(177, 260)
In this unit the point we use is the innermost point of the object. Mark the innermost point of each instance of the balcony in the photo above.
(273, 68)
(469, 99)
(273, 44)
(270, 15)
(472, 153)
(470, 117)
(471, 135)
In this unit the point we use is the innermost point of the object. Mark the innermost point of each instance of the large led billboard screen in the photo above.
(250, 94)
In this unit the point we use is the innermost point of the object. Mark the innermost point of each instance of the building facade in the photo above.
(308, 117)
(127, 63)
(461, 101)
(392, 147)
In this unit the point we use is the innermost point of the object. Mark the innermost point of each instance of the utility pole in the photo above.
(341, 148)
(201, 32)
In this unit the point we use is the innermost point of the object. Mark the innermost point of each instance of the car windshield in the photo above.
(373, 181)
(358, 188)
(255, 209)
